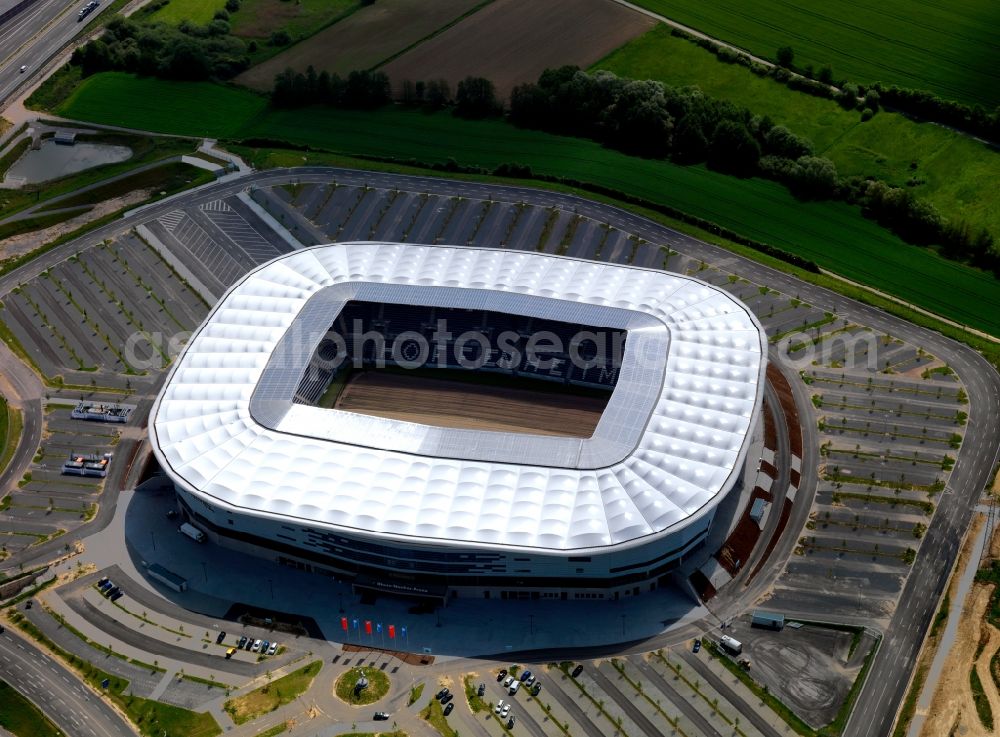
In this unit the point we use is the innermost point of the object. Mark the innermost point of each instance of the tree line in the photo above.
(187, 51)
(651, 119)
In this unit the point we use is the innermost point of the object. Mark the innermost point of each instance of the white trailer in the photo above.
(192, 532)
(731, 645)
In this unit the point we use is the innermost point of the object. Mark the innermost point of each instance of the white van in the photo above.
(514, 686)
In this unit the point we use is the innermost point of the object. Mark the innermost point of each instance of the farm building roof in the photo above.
(673, 436)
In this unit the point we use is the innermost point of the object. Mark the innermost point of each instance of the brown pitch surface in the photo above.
(459, 404)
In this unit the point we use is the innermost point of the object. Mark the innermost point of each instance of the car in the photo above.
(536, 688)
(264, 646)
(513, 687)
(499, 707)
(448, 708)
(505, 710)
(697, 645)
(529, 680)
(510, 722)
(482, 690)
(117, 595)
(1, 629)
(442, 693)
(242, 642)
(256, 646)
(24, 68)
(230, 653)
(101, 581)
(220, 638)
(272, 649)
(446, 698)
(525, 676)
(249, 645)
(28, 605)
(111, 591)
(501, 675)
(507, 681)
(108, 583)
(577, 671)
(380, 716)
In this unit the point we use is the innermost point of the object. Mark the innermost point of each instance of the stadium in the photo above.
(443, 421)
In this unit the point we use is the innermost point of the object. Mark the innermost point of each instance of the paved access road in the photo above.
(56, 691)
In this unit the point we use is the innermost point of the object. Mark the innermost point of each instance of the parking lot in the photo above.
(46, 503)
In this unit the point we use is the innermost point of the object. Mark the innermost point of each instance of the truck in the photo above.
(192, 532)
(731, 645)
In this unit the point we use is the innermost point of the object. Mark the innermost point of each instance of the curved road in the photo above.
(75, 709)
(887, 682)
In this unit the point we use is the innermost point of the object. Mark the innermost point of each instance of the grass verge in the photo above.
(22, 718)
(11, 425)
(378, 686)
(982, 702)
(267, 698)
(434, 716)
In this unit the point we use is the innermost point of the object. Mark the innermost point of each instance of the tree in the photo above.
(690, 142)
(280, 38)
(814, 178)
(732, 149)
(786, 56)
(476, 97)
(782, 142)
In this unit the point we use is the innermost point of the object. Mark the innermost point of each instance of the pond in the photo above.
(53, 160)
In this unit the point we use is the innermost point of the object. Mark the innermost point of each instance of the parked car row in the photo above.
(107, 587)
(445, 697)
(251, 645)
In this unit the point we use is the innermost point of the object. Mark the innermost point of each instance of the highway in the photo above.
(74, 708)
(888, 679)
(34, 35)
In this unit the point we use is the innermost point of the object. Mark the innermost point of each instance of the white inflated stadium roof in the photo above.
(674, 435)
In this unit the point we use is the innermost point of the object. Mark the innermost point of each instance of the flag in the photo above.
(402, 630)
(355, 623)
(368, 626)
(378, 628)
(343, 623)
(392, 631)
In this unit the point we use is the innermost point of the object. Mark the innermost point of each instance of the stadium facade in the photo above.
(435, 512)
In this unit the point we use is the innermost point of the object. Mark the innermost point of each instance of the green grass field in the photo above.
(185, 108)
(22, 718)
(949, 49)
(832, 234)
(196, 11)
(958, 174)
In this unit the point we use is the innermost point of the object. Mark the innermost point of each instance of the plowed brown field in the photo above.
(471, 406)
(365, 38)
(513, 41)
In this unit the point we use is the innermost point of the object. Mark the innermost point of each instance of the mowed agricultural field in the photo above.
(513, 41)
(950, 48)
(459, 404)
(363, 40)
(832, 234)
(300, 18)
(957, 174)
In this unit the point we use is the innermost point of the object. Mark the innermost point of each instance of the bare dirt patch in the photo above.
(362, 40)
(25, 242)
(470, 406)
(952, 704)
(513, 41)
